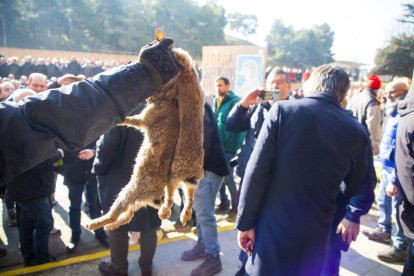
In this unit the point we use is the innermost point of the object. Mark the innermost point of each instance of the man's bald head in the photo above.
(396, 89)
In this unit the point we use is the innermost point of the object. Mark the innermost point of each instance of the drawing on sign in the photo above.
(249, 73)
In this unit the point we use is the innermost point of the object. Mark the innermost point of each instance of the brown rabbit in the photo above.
(172, 152)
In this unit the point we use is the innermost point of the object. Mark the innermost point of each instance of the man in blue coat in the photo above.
(345, 225)
(287, 200)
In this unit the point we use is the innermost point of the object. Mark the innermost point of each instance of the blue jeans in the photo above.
(229, 182)
(35, 223)
(204, 202)
(75, 198)
(386, 205)
(409, 264)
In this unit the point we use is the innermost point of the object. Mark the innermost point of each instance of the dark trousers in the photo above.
(336, 244)
(75, 198)
(229, 182)
(118, 243)
(9, 202)
(409, 264)
(35, 223)
(332, 262)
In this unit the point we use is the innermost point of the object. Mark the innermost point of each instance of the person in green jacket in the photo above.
(232, 141)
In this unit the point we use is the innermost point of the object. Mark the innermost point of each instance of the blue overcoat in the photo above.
(304, 151)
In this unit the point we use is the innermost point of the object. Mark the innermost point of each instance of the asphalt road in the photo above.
(174, 238)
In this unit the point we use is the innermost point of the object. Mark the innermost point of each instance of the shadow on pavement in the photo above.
(362, 265)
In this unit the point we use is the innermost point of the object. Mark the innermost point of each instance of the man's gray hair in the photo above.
(36, 75)
(328, 79)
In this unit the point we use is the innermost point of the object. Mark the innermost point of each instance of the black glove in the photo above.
(159, 60)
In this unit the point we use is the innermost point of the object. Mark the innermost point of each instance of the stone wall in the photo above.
(21, 53)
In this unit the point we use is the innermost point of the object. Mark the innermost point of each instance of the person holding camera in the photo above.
(248, 115)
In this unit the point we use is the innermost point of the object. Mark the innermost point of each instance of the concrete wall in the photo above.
(20, 53)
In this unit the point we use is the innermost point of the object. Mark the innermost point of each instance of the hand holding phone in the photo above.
(269, 95)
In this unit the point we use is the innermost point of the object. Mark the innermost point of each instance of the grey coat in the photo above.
(366, 109)
(404, 161)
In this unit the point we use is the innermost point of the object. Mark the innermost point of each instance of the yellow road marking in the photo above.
(98, 255)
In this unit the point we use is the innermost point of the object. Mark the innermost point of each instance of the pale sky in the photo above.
(360, 26)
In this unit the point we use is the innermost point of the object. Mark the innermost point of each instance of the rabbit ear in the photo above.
(189, 153)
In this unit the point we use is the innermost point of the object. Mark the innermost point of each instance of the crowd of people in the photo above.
(15, 74)
(53, 67)
(305, 163)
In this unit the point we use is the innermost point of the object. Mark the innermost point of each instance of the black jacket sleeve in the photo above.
(361, 203)
(359, 169)
(238, 119)
(68, 118)
(214, 156)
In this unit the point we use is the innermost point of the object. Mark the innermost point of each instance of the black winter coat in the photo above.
(53, 71)
(115, 158)
(214, 157)
(73, 67)
(41, 68)
(3, 70)
(69, 118)
(35, 183)
(27, 68)
(77, 171)
(404, 161)
(14, 69)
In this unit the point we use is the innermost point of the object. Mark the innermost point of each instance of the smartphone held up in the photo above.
(270, 95)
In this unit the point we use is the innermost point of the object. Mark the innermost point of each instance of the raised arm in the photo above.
(73, 116)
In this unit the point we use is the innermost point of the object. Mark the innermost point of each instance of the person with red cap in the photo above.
(366, 109)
